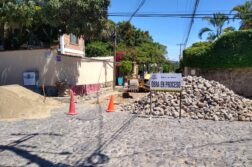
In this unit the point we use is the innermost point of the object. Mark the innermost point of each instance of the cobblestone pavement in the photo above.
(94, 138)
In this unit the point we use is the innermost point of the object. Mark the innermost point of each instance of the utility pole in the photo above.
(114, 70)
(180, 50)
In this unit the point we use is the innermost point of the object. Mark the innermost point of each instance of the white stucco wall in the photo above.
(77, 71)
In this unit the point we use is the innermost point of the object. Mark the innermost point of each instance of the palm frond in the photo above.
(211, 36)
(204, 30)
(242, 12)
(210, 20)
(220, 19)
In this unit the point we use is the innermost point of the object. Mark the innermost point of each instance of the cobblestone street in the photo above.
(94, 138)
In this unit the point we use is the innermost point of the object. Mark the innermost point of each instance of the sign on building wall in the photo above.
(166, 81)
(29, 78)
(58, 58)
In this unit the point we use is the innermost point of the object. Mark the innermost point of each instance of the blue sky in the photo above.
(171, 31)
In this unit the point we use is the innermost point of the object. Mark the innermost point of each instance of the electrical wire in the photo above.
(189, 3)
(180, 15)
(192, 21)
(138, 8)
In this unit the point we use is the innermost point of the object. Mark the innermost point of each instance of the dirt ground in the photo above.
(119, 99)
(17, 102)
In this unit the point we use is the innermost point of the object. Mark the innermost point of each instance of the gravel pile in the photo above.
(201, 99)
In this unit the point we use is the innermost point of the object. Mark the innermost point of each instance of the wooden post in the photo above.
(180, 104)
(43, 89)
(150, 102)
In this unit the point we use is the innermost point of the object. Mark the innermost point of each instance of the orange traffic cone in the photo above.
(111, 104)
(72, 105)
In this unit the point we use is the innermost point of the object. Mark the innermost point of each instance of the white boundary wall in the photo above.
(77, 71)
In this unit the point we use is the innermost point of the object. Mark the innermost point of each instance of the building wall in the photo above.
(75, 70)
(67, 48)
(238, 79)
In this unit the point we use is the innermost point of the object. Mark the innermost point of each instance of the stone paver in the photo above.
(94, 138)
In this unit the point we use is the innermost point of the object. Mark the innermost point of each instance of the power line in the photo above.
(180, 15)
(168, 14)
(186, 20)
(138, 8)
(176, 11)
(192, 21)
(185, 17)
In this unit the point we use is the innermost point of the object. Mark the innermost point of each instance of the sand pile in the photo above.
(17, 102)
(201, 99)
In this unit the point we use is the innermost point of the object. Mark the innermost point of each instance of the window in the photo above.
(73, 39)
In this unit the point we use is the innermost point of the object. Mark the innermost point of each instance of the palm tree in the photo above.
(217, 21)
(244, 12)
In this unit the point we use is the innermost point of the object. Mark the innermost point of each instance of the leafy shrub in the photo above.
(231, 50)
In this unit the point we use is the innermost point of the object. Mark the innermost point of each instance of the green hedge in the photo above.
(231, 50)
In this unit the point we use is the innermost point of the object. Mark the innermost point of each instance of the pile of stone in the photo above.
(201, 99)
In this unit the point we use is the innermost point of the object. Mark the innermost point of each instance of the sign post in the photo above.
(167, 82)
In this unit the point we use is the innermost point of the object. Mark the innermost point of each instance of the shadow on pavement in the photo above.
(27, 155)
(96, 157)
(32, 158)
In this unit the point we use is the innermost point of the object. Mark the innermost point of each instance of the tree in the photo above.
(130, 35)
(167, 66)
(244, 12)
(107, 33)
(137, 44)
(126, 67)
(81, 17)
(98, 49)
(20, 12)
(217, 22)
(16, 14)
(51, 18)
(140, 46)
